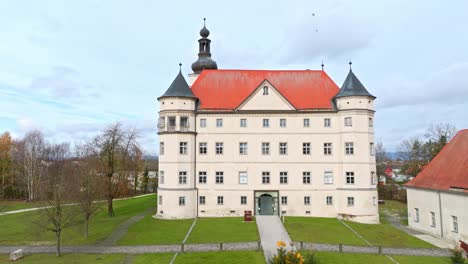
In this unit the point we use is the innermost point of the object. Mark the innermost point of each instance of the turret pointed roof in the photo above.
(353, 87)
(179, 88)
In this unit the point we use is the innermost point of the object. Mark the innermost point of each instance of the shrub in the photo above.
(284, 256)
(457, 256)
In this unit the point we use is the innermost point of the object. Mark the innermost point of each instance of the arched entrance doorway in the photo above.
(266, 204)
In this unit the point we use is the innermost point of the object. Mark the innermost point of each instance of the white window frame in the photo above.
(328, 177)
(219, 177)
(348, 121)
(219, 122)
(416, 215)
(203, 146)
(349, 148)
(306, 200)
(202, 122)
(265, 90)
(306, 178)
(371, 149)
(183, 148)
(202, 200)
(183, 179)
(327, 149)
(305, 148)
(243, 200)
(265, 148)
(329, 200)
(202, 177)
(266, 179)
(283, 122)
(283, 177)
(326, 122)
(283, 148)
(181, 200)
(161, 148)
(351, 201)
(219, 148)
(306, 122)
(284, 200)
(266, 122)
(454, 224)
(243, 122)
(350, 179)
(243, 177)
(160, 199)
(433, 219)
(161, 177)
(373, 178)
(220, 200)
(371, 122)
(243, 148)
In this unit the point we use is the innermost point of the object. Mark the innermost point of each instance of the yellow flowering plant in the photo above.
(284, 256)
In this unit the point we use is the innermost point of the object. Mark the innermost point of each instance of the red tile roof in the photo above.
(227, 89)
(449, 169)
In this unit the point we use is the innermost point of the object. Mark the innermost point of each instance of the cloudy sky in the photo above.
(70, 68)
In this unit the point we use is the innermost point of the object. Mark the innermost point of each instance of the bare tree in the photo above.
(56, 193)
(6, 145)
(112, 149)
(136, 163)
(32, 153)
(89, 183)
(380, 157)
(441, 130)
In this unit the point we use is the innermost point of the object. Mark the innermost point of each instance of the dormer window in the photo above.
(265, 90)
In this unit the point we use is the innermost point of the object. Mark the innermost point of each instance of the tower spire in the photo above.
(204, 54)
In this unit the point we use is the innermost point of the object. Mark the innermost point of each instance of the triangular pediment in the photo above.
(266, 97)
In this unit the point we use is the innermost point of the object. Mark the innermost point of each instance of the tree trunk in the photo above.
(86, 227)
(110, 207)
(58, 234)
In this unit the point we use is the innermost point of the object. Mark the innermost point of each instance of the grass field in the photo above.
(223, 229)
(395, 208)
(150, 231)
(67, 259)
(385, 234)
(349, 258)
(16, 205)
(320, 230)
(153, 258)
(225, 257)
(20, 229)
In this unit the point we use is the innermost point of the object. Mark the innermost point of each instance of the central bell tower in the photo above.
(204, 60)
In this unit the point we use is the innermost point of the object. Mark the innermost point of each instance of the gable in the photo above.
(265, 97)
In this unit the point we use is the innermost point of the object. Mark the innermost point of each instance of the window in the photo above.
(284, 200)
(371, 149)
(203, 148)
(350, 201)
(219, 177)
(202, 122)
(306, 200)
(306, 177)
(349, 148)
(172, 121)
(243, 122)
(416, 215)
(327, 122)
(282, 122)
(243, 148)
(328, 177)
(265, 90)
(284, 177)
(266, 177)
(202, 177)
(182, 177)
(160, 200)
(220, 200)
(348, 121)
(266, 122)
(371, 122)
(327, 148)
(433, 219)
(374, 201)
(329, 200)
(161, 148)
(243, 199)
(182, 201)
(306, 122)
(243, 177)
(184, 121)
(306, 148)
(349, 177)
(283, 148)
(183, 148)
(219, 122)
(454, 224)
(202, 200)
(161, 177)
(373, 178)
(265, 148)
(219, 148)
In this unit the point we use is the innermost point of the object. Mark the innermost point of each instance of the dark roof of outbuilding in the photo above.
(352, 87)
(179, 88)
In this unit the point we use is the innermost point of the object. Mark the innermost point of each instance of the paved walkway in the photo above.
(394, 220)
(39, 208)
(271, 230)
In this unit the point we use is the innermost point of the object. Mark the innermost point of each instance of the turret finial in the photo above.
(323, 65)
(180, 66)
(350, 63)
(204, 20)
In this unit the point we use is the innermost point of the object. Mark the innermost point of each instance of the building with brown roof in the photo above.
(438, 195)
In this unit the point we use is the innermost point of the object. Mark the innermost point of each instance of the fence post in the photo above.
(380, 250)
(302, 245)
(259, 245)
(341, 247)
(221, 246)
(182, 247)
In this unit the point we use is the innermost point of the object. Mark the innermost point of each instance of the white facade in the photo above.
(439, 213)
(327, 157)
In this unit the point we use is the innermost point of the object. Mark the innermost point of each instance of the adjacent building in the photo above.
(438, 195)
(276, 142)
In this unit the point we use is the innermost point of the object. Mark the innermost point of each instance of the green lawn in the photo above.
(320, 230)
(395, 208)
(68, 259)
(16, 205)
(153, 258)
(385, 234)
(150, 231)
(225, 257)
(349, 258)
(223, 229)
(21, 229)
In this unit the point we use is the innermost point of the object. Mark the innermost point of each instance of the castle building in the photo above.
(276, 142)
